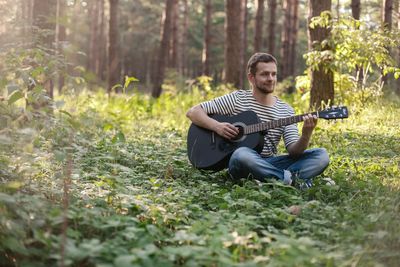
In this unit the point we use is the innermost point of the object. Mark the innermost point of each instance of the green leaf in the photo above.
(15, 96)
(128, 80)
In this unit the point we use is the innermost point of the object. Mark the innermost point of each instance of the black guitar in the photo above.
(209, 151)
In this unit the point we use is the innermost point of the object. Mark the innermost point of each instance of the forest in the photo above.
(94, 167)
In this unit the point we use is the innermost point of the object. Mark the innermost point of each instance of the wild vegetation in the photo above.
(105, 181)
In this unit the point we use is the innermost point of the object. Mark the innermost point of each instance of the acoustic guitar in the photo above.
(209, 151)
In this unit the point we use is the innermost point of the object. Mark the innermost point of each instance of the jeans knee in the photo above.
(241, 158)
(323, 157)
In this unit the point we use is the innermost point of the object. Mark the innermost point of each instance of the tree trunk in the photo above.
(94, 35)
(114, 66)
(259, 25)
(398, 49)
(387, 25)
(43, 32)
(102, 46)
(356, 11)
(184, 38)
(233, 42)
(285, 40)
(293, 38)
(243, 46)
(175, 36)
(322, 89)
(206, 57)
(164, 49)
(61, 36)
(271, 26)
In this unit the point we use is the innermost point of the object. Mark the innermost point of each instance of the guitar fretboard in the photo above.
(262, 126)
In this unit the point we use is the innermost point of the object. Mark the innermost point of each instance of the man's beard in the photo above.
(266, 88)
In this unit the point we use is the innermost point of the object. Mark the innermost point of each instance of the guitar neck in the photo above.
(263, 126)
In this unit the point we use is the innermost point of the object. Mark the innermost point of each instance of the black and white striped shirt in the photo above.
(242, 100)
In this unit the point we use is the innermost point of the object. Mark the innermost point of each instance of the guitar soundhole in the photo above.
(241, 136)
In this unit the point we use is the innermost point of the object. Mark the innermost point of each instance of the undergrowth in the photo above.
(106, 182)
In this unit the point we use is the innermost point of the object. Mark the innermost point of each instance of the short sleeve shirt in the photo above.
(242, 100)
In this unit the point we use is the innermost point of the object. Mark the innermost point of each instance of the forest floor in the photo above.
(106, 182)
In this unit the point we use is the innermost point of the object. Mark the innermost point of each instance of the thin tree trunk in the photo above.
(185, 27)
(113, 48)
(387, 25)
(322, 89)
(164, 49)
(356, 11)
(259, 21)
(271, 26)
(233, 42)
(285, 41)
(206, 57)
(398, 49)
(44, 32)
(94, 35)
(293, 39)
(102, 47)
(175, 36)
(61, 37)
(243, 45)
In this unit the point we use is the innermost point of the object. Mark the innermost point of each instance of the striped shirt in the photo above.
(242, 100)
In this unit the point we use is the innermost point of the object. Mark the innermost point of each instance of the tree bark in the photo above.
(44, 33)
(206, 57)
(184, 38)
(356, 9)
(102, 58)
(387, 25)
(163, 51)
(243, 45)
(175, 36)
(322, 88)
(61, 36)
(398, 49)
(94, 35)
(259, 26)
(114, 66)
(233, 42)
(285, 40)
(271, 26)
(293, 39)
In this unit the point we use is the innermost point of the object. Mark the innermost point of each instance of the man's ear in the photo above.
(250, 77)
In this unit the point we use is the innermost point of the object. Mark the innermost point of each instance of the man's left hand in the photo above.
(310, 121)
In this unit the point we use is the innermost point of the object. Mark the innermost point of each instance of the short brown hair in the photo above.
(259, 57)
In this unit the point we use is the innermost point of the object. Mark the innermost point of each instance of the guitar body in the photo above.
(209, 151)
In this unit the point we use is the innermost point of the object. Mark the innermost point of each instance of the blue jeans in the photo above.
(245, 161)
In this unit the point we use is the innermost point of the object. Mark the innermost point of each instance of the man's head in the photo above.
(262, 70)
(257, 58)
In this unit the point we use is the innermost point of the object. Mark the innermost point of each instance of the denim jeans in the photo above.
(245, 161)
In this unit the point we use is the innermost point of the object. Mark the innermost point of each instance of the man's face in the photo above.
(264, 80)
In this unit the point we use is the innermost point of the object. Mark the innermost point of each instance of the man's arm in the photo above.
(296, 149)
(199, 117)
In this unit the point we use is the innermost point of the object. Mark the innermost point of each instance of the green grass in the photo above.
(134, 200)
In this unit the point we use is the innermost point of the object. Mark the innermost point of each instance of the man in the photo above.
(299, 163)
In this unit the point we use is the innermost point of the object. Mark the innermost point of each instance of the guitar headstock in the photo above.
(334, 112)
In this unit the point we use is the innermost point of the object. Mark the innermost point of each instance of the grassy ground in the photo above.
(134, 200)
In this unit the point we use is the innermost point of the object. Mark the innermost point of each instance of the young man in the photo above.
(299, 163)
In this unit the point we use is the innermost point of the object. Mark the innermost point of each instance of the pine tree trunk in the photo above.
(398, 49)
(114, 66)
(206, 57)
(356, 11)
(175, 36)
(102, 46)
(387, 25)
(322, 89)
(259, 26)
(233, 35)
(163, 51)
(285, 40)
(94, 35)
(43, 31)
(271, 26)
(243, 45)
(61, 36)
(185, 26)
(293, 37)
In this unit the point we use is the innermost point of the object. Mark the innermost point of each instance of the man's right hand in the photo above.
(226, 130)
